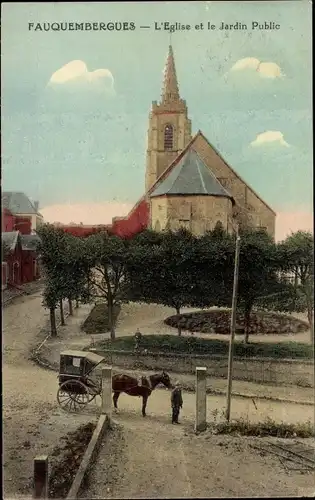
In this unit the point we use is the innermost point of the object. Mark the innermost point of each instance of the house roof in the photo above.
(17, 203)
(10, 239)
(191, 177)
(30, 241)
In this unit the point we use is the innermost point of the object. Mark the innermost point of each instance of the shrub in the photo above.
(218, 321)
(266, 428)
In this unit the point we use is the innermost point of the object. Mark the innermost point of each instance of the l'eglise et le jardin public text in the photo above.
(171, 27)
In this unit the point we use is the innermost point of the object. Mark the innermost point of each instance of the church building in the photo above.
(187, 182)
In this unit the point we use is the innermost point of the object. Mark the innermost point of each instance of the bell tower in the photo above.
(169, 127)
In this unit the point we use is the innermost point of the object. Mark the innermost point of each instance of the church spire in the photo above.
(170, 92)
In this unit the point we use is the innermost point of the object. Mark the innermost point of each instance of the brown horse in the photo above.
(134, 387)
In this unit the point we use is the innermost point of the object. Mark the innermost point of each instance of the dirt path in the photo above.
(152, 459)
(32, 422)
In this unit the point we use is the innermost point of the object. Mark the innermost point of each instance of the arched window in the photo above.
(157, 226)
(168, 138)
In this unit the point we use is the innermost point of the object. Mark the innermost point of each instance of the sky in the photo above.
(75, 103)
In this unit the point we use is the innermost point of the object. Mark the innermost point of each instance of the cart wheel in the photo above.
(73, 396)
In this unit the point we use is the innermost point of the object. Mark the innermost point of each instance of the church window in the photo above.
(168, 137)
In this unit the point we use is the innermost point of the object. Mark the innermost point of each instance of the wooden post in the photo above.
(201, 399)
(41, 489)
(232, 329)
(107, 391)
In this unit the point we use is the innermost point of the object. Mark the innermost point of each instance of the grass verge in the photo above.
(65, 460)
(97, 320)
(268, 427)
(193, 345)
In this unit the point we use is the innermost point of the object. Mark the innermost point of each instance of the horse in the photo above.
(130, 385)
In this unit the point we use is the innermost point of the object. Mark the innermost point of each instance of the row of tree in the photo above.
(178, 270)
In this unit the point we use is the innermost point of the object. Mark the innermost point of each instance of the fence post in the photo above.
(201, 399)
(107, 391)
(41, 489)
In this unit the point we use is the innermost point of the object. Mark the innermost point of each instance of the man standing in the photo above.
(138, 337)
(176, 402)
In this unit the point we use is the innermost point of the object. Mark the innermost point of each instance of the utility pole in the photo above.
(232, 326)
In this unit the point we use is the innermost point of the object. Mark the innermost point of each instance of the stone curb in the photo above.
(89, 457)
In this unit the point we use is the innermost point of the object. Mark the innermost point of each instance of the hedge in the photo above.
(193, 345)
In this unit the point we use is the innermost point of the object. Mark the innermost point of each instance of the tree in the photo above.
(105, 260)
(258, 272)
(296, 256)
(161, 267)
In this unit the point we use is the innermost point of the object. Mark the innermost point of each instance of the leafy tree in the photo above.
(160, 268)
(51, 249)
(214, 269)
(258, 272)
(296, 256)
(105, 260)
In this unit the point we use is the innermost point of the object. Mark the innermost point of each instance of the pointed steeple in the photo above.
(170, 92)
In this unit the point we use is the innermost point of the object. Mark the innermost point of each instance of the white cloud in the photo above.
(263, 69)
(77, 71)
(270, 137)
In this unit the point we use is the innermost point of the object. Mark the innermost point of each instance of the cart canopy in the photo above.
(93, 358)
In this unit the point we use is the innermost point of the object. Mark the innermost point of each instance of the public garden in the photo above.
(143, 455)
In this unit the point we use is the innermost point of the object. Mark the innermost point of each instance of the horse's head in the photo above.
(165, 380)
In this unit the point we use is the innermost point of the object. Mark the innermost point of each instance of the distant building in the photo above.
(19, 213)
(19, 258)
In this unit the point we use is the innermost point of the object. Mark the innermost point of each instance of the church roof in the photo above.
(190, 177)
(170, 90)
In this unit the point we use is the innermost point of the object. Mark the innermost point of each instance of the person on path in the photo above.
(176, 402)
(138, 338)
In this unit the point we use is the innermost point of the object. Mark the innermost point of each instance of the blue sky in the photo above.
(83, 142)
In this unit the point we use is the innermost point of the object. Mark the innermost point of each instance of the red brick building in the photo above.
(19, 258)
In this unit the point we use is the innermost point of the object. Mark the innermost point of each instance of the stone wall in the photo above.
(258, 370)
(198, 214)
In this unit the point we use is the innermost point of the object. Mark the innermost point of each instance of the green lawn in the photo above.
(192, 345)
(97, 320)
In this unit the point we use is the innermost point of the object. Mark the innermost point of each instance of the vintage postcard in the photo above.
(157, 249)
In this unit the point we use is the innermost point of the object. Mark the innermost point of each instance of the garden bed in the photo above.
(97, 320)
(218, 321)
(191, 345)
(65, 460)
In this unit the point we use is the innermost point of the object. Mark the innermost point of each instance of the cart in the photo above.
(77, 388)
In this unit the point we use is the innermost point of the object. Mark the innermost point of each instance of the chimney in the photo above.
(36, 205)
